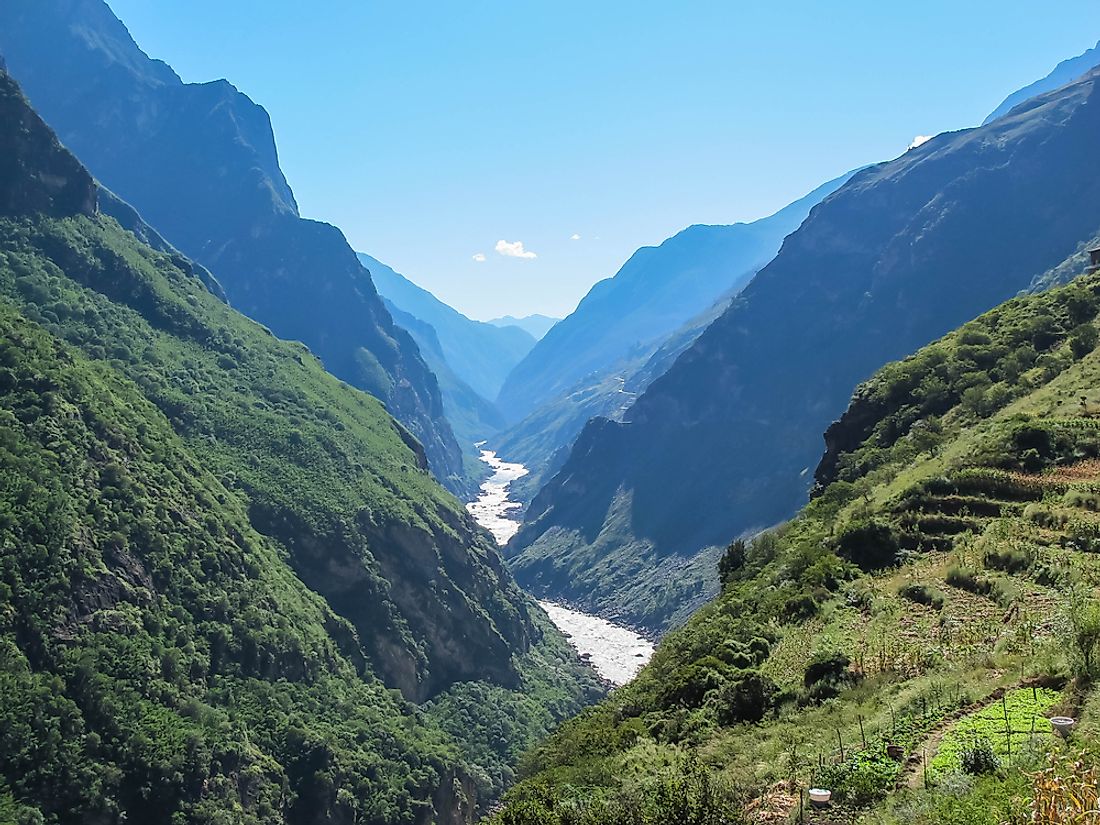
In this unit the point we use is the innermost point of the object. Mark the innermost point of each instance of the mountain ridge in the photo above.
(843, 293)
(199, 162)
(656, 291)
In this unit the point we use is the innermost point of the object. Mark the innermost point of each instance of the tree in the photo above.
(732, 560)
(1083, 340)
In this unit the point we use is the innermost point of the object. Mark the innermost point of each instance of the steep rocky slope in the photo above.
(471, 416)
(199, 162)
(226, 573)
(654, 293)
(724, 442)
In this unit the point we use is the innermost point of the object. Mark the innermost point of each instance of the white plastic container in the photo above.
(1062, 725)
(819, 797)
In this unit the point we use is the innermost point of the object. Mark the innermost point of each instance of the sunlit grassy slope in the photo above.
(938, 596)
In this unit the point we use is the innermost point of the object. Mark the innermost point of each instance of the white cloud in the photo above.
(513, 249)
(574, 237)
(918, 140)
(480, 257)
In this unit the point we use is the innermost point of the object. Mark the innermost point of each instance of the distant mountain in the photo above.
(1065, 72)
(199, 162)
(658, 290)
(226, 575)
(535, 325)
(542, 439)
(479, 353)
(725, 441)
(472, 417)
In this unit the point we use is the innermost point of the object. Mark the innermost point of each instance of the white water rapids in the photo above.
(616, 652)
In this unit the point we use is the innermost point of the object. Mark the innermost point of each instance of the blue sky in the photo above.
(429, 132)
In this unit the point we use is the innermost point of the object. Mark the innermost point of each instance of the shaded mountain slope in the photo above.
(723, 443)
(472, 418)
(542, 440)
(480, 354)
(223, 567)
(199, 162)
(657, 291)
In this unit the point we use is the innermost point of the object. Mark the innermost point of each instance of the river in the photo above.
(616, 652)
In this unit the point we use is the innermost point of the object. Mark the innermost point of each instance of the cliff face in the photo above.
(725, 441)
(199, 162)
(36, 173)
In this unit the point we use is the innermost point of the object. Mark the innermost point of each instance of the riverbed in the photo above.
(616, 652)
(493, 509)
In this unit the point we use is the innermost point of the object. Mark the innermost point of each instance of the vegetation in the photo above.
(946, 559)
(229, 584)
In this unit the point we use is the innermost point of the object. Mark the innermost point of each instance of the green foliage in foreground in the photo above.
(932, 568)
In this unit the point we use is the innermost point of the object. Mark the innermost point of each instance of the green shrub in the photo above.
(862, 779)
(870, 545)
(978, 758)
(1010, 560)
(745, 699)
(922, 594)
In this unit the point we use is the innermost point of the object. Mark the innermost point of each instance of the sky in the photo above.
(506, 156)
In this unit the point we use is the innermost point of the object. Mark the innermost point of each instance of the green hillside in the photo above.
(939, 595)
(230, 589)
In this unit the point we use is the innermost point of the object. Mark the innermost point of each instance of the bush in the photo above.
(862, 779)
(922, 594)
(826, 676)
(800, 607)
(870, 544)
(745, 699)
(979, 759)
(1009, 560)
(969, 581)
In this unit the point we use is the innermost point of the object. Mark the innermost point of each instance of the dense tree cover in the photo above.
(225, 574)
(157, 656)
(931, 567)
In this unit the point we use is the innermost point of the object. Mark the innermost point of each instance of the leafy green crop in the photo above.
(1026, 726)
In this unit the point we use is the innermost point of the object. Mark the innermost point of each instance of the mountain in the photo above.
(535, 325)
(478, 353)
(658, 290)
(543, 438)
(1065, 72)
(198, 161)
(471, 416)
(723, 443)
(230, 588)
(904, 641)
